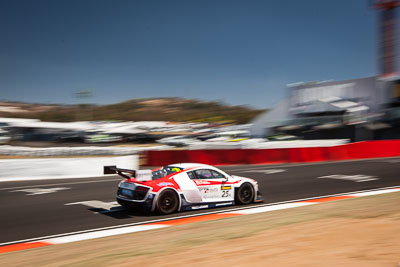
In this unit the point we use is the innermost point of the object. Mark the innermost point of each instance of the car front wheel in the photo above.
(245, 194)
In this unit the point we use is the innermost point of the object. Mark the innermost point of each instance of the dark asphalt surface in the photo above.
(25, 216)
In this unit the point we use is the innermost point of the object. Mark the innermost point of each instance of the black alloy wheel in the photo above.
(167, 202)
(245, 194)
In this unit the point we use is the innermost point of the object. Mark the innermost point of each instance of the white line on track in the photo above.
(358, 178)
(41, 191)
(359, 193)
(103, 233)
(267, 171)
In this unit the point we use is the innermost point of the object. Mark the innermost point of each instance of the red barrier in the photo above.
(308, 154)
(374, 149)
(335, 153)
(359, 150)
(265, 156)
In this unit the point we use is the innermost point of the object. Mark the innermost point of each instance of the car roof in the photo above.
(189, 165)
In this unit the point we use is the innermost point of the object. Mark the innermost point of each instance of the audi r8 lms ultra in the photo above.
(181, 187)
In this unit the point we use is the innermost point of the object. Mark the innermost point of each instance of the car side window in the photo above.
(203, 174)
(191, 175)
(217, 174)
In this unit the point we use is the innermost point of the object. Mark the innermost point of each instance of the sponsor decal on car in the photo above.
(201, 182)
(207, 190)
(165, 184)
(226, 187)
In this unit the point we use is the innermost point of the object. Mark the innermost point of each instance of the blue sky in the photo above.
(236, 51)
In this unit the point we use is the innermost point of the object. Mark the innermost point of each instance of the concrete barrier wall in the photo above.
(57, 168)
(359, 150)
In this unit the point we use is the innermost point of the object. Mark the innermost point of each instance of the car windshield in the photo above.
(164, 171)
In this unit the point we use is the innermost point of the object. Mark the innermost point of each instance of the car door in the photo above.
(212, 185)
(189, 188)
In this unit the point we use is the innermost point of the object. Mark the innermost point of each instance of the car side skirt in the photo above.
(186, 206)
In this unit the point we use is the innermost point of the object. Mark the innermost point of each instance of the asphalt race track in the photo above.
(33, 209)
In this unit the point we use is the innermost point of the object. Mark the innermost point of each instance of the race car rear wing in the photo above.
(139, 175)
(126, 173)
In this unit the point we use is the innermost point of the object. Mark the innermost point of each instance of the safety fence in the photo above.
(359, 150)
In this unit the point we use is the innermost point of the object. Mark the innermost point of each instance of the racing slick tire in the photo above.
(244, 194)
(167, 202)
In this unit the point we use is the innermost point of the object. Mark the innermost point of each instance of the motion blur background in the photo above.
(196, 74)
(235, 83)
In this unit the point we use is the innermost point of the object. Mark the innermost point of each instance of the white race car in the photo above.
(183, 186)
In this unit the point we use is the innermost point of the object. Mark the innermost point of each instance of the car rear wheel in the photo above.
(167, 202)
(245, 194)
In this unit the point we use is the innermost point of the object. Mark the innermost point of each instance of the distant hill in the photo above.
(152, 109)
